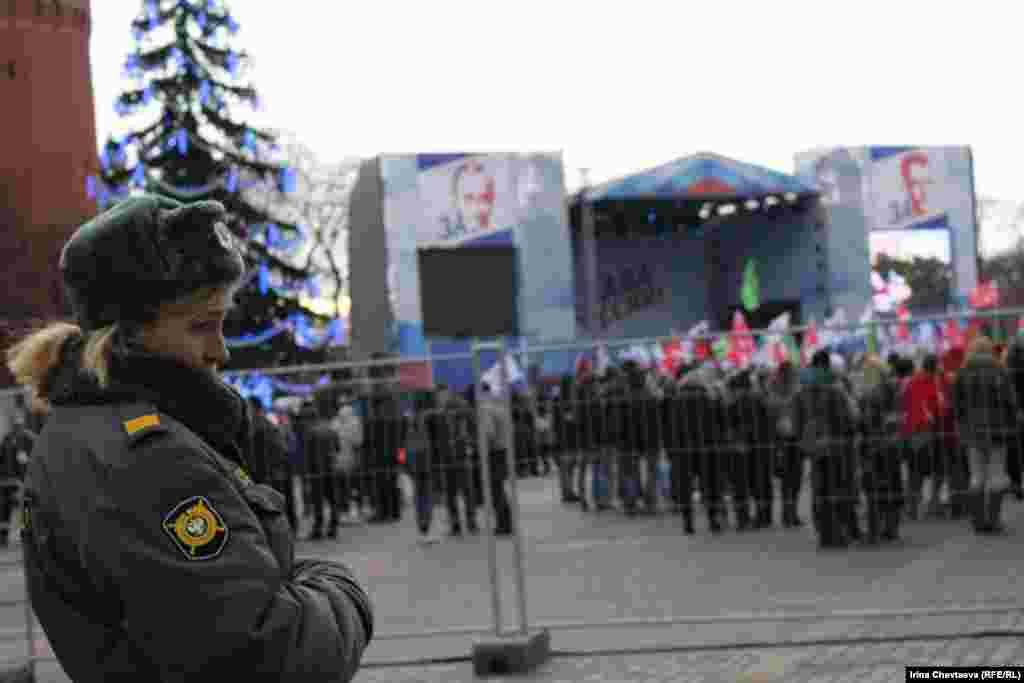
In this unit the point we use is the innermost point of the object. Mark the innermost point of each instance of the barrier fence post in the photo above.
(510, 453)
(522, 652)
(30, 636)
(485, 468)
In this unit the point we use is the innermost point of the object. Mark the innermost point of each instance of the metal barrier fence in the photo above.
(630, 453)
(612, 457)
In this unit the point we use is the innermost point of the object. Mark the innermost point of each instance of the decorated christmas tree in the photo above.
(189, 140)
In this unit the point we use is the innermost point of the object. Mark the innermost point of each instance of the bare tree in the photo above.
(320, 203)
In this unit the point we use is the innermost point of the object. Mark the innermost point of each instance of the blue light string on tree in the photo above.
(232, 183)
(255, 339)
(299, 388)
(182, 142)
(232, 26)
(131, 65)
(264, 278)
(249, 140)
(204, 92)
(232, 64)
(289, 180)
(201, 20)
(139, 175)
(147, 95)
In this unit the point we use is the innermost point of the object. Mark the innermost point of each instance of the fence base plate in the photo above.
(517, 654)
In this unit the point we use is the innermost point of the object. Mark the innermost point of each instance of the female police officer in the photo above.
(151, 554)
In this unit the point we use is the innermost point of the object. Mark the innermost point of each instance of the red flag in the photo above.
(954, 335)
(701, 349)
(810, 344)
(974, 329)
(903, 332)
(673, 356)
(741, 342)
(985, 295)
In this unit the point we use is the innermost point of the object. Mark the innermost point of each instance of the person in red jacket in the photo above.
(926, 411)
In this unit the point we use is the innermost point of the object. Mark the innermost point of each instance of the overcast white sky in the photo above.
(622, 89)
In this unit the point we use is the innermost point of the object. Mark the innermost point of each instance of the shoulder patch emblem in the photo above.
(196, 529)
(243, 476)
(141, 423)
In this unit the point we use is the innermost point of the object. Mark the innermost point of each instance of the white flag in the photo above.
(493, 376)
(639, 355)
(604, 361)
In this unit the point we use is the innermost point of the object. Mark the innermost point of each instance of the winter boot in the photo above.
(994, 512)
(789, 515)
(742, 511)
(714, 519)
(978, 510)
(688, 521)
(764, 516)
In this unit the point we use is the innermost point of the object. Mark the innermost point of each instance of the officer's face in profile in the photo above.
(192, 331)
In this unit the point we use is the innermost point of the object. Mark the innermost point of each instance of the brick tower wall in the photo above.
(47, 149)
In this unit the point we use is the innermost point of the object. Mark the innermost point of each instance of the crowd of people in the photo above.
(882, 440)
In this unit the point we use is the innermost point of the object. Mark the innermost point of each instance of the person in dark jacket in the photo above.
(781, 394)
(384, 438)
(150, 552)
(564, 419)
(639, 440)
(754, 438)
(270, 463)
(881, 452)
(15, 451)
(826, 419)
(451, 438)
(1015, 447)
(986, 409)
(496, 426)
(712, 456)
(321, 445)
(595, 459)
(690, 431)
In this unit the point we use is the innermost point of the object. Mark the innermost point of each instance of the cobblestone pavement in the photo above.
(602, 581)
(838, 664)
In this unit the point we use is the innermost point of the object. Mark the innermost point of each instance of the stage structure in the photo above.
(404, 203)
(901, 204)
(666, 248)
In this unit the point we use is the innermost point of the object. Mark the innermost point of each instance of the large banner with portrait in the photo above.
(462, 200)
(910, 211)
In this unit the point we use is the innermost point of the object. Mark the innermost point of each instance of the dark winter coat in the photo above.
(150, 553)
(985, 402)
(639, 422)
(692, 422)
(384, 432)
(17, 441)
(269, 460)
(824, 403)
